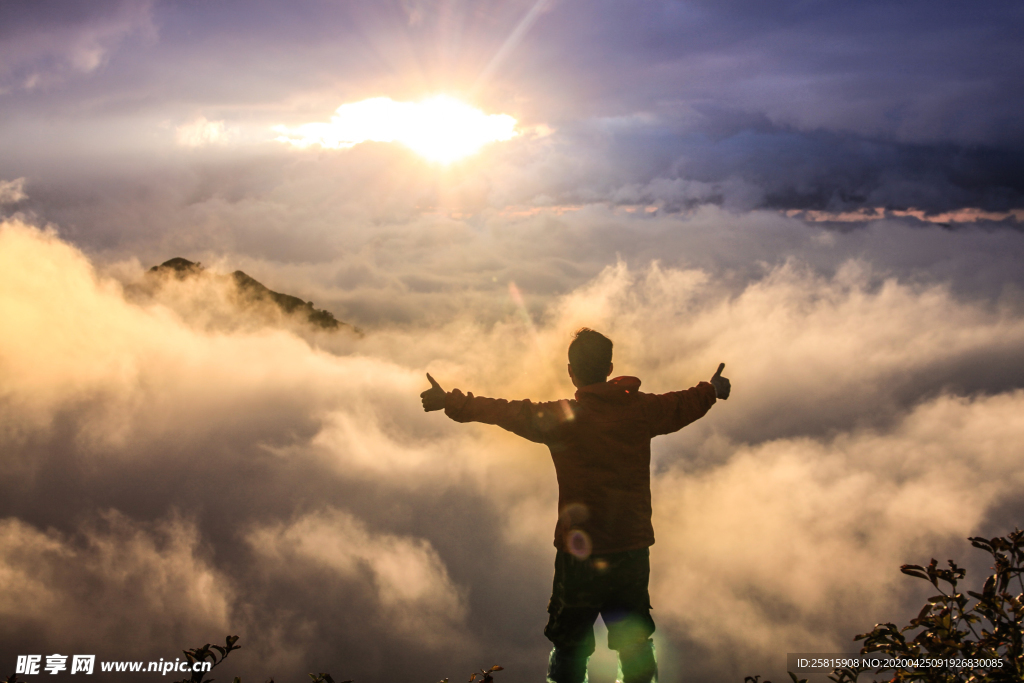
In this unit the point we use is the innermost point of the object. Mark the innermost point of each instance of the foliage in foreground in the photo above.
(984, 635)
(209, 653)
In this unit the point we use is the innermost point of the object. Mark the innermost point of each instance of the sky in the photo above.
(827, 197)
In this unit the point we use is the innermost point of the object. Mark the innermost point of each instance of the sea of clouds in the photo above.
(175, 472)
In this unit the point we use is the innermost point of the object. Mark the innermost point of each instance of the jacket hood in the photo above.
(613, 390)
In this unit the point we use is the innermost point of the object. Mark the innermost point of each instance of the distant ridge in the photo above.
(251, 290)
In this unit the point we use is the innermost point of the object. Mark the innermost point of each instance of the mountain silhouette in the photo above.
(250, 291)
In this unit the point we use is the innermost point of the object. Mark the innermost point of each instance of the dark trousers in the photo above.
(613, 586)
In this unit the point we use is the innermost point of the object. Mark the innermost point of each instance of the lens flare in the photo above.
(580, 544)
(524, 313)
(441, 129)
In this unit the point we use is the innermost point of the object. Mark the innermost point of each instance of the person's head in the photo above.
(590, 357)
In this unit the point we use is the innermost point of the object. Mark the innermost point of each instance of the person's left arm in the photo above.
(671, 412)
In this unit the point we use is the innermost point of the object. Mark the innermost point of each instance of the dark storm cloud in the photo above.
(787, 169)
(42, 43)
(916, 71)
(265, 60)
(798, 105)
(815, 105)
(919, 72)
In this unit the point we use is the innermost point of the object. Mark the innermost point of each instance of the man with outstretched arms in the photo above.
(600, 443)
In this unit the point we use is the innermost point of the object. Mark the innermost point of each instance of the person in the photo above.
(600, 443)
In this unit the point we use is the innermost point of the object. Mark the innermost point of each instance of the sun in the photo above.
(441, 128)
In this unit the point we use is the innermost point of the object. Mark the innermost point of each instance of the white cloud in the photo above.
(116, 587)
(413, 591)
(12, 191)
(794, 544)
(440, 128)
(201, 132)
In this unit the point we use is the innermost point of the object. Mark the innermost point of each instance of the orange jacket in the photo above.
(601, 446)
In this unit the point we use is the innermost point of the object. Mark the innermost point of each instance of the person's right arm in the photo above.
(721, 384)
(527, 419)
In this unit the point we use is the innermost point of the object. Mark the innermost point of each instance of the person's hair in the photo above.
(590, 354)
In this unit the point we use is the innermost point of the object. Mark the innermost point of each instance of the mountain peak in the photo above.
(250, 292)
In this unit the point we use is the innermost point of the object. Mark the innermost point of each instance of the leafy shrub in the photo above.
(209, 653)
(984, 635)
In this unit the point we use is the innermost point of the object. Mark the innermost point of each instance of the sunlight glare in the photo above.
(441, 128)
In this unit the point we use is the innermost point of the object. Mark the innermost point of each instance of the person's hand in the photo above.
(433, 398)
(721, 384)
